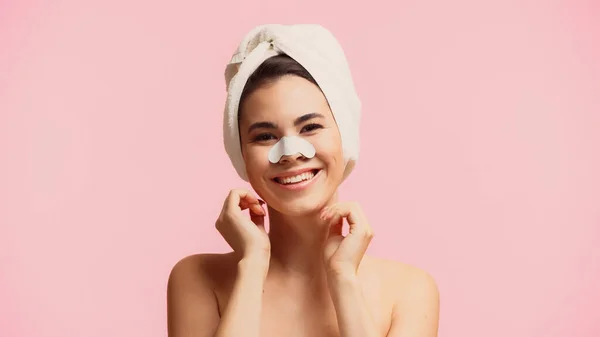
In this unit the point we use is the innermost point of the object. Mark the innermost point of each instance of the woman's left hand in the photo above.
(343, 254)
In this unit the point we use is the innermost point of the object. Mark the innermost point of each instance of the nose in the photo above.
(286, 159)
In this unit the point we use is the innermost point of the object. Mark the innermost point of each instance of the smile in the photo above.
(296, 181)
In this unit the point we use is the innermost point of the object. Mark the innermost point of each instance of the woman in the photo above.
(302, 277)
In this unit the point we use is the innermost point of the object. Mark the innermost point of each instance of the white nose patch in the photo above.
(287, 146)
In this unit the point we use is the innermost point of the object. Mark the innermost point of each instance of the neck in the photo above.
(297, 244)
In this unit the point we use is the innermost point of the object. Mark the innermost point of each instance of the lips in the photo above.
(296, 176)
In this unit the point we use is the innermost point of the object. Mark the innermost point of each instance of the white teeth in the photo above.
(297, 179)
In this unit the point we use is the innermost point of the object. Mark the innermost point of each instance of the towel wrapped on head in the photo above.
(319, 52)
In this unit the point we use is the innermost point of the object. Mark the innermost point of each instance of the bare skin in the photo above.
(302, 277)
(294, 305)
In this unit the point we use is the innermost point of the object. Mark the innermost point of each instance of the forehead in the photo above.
(284, 100)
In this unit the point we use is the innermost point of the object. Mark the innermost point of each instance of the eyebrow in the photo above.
(299, 120)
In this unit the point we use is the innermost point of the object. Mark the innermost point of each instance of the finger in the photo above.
(258, 213)
(244, 199)
(259, 220)
(256, 208)
(355, 217)
(263, 207)
(333, 220)
(358, 224)
(342, 210)
(238, 195)
(336, 224)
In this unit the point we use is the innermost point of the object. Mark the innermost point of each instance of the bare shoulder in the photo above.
(414, 295)
(202, 268)
(192, 304)
(407, 282)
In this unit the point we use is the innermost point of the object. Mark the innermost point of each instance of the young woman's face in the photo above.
(291, 106)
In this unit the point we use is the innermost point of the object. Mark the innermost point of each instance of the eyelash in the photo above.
(262, 137)
(313, 127)
(268, 136)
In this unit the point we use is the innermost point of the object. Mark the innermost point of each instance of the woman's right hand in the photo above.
(246, 236)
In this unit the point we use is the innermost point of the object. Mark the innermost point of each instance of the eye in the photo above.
(311, 127)
(264, 137)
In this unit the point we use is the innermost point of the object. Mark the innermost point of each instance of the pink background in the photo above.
(480, 155)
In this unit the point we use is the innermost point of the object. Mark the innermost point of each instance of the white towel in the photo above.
(317, 50)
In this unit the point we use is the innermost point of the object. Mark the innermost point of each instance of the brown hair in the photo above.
(271, 70)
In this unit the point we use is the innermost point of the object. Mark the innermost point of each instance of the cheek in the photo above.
(256, 159)
(329, 148)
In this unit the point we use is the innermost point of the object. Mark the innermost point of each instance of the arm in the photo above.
(243, 313)
(354, 318)
(191, 303)
(343, 256)
(192, 309)
(416, 310)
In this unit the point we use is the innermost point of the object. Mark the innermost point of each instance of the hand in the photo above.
(246, 237)
(344, 254)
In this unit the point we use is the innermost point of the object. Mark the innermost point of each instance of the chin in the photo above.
(299, 208)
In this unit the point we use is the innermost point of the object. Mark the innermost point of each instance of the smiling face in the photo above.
(291, 106)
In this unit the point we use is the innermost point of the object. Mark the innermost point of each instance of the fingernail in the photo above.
(259, 210)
